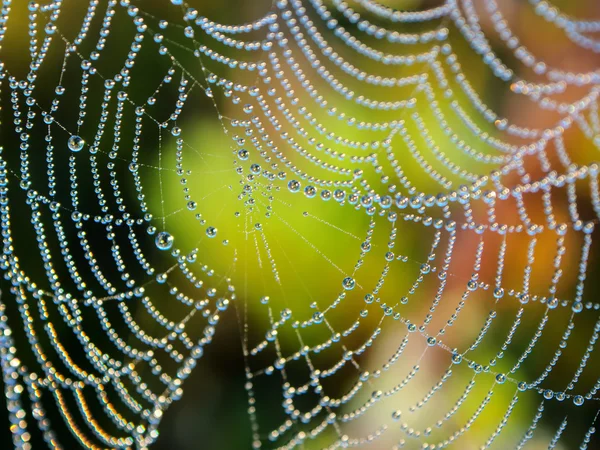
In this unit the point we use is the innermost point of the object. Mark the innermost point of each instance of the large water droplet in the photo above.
(164, 240)
(75, 143)
(348, 283)
(294, 186)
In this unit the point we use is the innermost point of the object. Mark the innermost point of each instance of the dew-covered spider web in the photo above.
(386, 211)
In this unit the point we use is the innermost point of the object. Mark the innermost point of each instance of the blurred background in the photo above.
(270, 242)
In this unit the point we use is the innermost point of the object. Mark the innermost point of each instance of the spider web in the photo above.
(396, 255)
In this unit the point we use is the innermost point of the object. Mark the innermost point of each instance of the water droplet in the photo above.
(310, 191)
(189, 32)
(50, 28)
(348, 283)
(339, 195)
(222, 304)
(164, 240)
(294, 186)
(211, 232)
(75, 143)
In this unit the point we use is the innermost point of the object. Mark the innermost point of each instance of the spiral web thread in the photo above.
(114, 394)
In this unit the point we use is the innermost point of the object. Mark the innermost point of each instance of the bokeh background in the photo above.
(313, 243)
